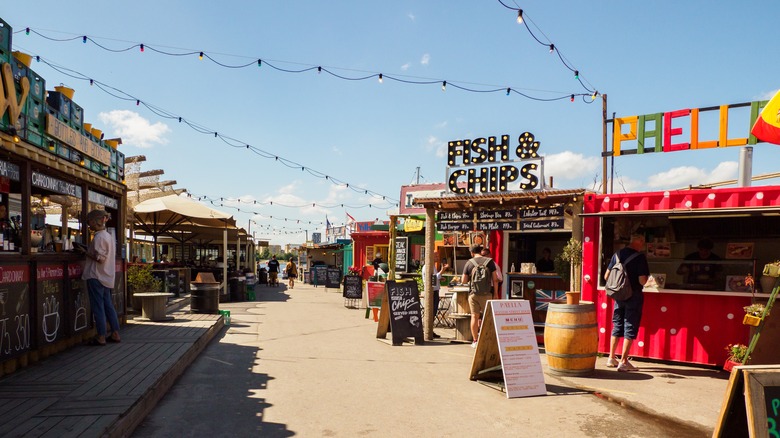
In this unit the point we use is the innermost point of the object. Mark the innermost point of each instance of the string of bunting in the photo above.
(230, 141)
(523, 18)
(380, 77)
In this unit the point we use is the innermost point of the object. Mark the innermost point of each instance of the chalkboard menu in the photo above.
(333, 278)
(544, 224)
(405, 311)
(319, 275)
(15, 309)
(752, 403)
(401, 254)
(173, 284)
(118, 292)
(78, 310)
(50, 281)
(353, 287)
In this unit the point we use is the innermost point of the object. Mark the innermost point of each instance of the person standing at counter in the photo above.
(100, 272)
(627, 314)
(546, 263)
(701, 273)
(480, 274)
(377, 261)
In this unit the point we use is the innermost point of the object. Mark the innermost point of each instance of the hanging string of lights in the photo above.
(278, 204)
(221, 202)
(522, 18)
(380, 77)
(230, 141)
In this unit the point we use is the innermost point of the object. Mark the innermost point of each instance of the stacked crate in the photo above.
(5, 57)
(35, 110)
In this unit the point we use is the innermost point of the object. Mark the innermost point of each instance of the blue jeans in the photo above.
(102, 306)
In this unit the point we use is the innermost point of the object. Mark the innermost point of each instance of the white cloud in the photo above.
(568, 165)
(134, 129)
(426, 59)
(689, 175)
(337, 151)
(438, 146)
(411, 16)
(405, 67)
(440, 125)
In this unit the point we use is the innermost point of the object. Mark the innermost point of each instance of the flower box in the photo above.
(729, 364)
(751, 320)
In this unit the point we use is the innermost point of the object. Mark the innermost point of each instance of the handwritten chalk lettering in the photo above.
(542, 212)
(500, 226)
(496, 214)
(555, 224)
(455, 216)
(454, 226)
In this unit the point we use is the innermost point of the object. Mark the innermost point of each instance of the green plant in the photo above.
(568, 262)
(140, 279)
(755, 309)
(737, 353)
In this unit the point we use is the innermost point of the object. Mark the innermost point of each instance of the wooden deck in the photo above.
(91, 391)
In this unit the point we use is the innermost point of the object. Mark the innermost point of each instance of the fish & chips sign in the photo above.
(486, 166)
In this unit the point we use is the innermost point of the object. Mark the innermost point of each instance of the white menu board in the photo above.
(521, 363)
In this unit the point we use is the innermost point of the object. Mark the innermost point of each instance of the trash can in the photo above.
(204, 294)
(262, 276)
(237, 288)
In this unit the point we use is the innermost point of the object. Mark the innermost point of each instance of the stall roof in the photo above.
(460, 202)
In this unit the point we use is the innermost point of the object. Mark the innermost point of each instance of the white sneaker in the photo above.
(474, 344)
(626, 367)
(612, 362)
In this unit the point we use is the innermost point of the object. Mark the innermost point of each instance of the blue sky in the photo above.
(647, 57)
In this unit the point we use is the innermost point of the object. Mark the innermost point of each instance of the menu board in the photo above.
(401, 254)
(353, 287)
(77, 308)
(751, 406)
(405, 311)
(319, 275)
(50, 281)
(333, 278)
(374, 290)
(15, 309)
(118, 292)
(517, 346)
(544, 224)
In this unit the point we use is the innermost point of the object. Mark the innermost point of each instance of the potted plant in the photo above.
(754, 313)
(738, 355)
(140, 279)
(769, 278)
(568, 267)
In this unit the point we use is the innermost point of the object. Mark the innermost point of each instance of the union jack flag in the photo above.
(545, 297)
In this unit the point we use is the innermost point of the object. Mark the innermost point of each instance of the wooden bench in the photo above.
(153, 306)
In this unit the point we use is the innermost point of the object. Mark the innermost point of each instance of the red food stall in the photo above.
(682, 320)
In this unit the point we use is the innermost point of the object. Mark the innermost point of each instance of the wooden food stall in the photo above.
(53, 171)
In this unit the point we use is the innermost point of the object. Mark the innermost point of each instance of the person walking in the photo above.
(627, 314)
(100, 272)
(273, 271)
(292, 273)
(480, 274)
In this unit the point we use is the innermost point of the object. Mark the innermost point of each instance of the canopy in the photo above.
(158, 216)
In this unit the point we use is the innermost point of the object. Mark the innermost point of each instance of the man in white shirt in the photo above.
(100, 272)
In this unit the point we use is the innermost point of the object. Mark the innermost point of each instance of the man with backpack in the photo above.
(627, 313)
(480, 274)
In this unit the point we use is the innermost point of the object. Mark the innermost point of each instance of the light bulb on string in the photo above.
(84, 39)
(27, 31)
(552, 48)
(508, 90)
(259, 62)
(380, 78)
(595, 93)
(519, 16)
(444, 86)
(142, 48)
(572, 98)
(200, 56)
(576, 74)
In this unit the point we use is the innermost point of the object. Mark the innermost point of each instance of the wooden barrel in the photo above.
(571, 338)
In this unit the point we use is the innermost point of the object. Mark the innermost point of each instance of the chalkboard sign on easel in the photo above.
(333, 278)
(752, 403)
(353, 287)
(401, 313)
(401, 254)
(320, 275)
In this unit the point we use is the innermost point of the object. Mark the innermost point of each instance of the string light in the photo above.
(142, 48)
(519, 16)
(508, 90)
(380, 78)
(572, 98)
(444, 86)
(27, 31)
(320, 69)
(576, 74)
(552, 48)
(84, 39)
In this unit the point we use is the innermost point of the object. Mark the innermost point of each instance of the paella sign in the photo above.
(486, 166)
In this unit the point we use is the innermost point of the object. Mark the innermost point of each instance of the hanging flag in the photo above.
(767, 126)
(350, 219)
(327, 223)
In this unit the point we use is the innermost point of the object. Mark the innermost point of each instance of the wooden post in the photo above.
(430, 236)
(391, 248)
(604, 143)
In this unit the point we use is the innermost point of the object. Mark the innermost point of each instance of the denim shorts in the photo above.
(626, 317)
